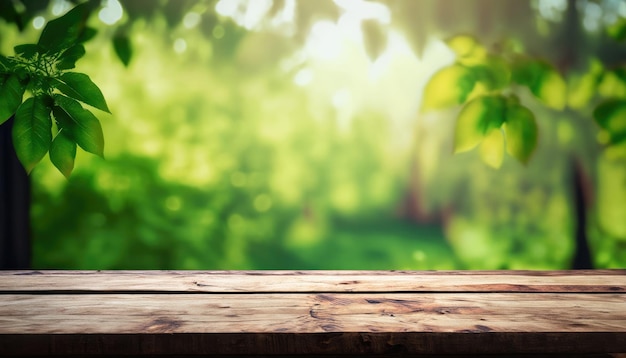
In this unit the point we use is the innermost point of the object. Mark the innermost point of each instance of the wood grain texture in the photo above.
(610, 281)
(312, 313)
(323, 313)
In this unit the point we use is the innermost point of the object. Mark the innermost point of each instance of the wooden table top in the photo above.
(265, 313)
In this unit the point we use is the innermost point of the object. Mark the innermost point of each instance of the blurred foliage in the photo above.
(322, 136)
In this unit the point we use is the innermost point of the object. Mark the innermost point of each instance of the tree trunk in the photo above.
(581, 188)
(14, 205)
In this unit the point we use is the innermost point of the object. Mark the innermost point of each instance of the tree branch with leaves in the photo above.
(52, 119)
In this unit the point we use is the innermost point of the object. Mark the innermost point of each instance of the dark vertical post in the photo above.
(581, 187)
(14, 205)
(571, 47)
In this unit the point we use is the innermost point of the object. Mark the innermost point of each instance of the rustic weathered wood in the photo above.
(312, 313)
(317, 281)
(324, 313)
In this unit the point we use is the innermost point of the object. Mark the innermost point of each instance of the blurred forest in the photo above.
(290, 134)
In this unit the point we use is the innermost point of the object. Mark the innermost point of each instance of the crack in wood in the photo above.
(313, 311)
(163, 325)
(330, 327)
(353, 282)
(29, 273)
(477, 329)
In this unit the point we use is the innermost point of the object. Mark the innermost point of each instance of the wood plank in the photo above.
(609, 281)
(324, 313)
(312, 313)
(402, 323)
(322, 345)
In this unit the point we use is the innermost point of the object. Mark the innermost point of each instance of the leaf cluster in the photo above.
(609, 84)
(610, 115)
(52, 118)
(608, 87)
(484, 82)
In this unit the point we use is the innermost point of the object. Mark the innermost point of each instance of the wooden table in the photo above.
(313, 313)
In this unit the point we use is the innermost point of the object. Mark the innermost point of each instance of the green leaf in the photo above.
(478, 118)
(553, 90)
(11, 93)
(493, 73)
(448, 87)
(606, 112)
(620, 72)
(32, 132)
(80, 87)
(5, 64)
(68, 58)
(467, 49)
(520, 129)
(462, 45)
(492, 148)
(510, 46)
(28, 50)
(582, 89)
(611, 116)
(63, 153)
(87, 34)
(66, 30)
(542, 80)
(123, 49)
(83, 127)
(612, 84)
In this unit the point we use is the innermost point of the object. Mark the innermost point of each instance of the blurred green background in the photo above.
(287, 135)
